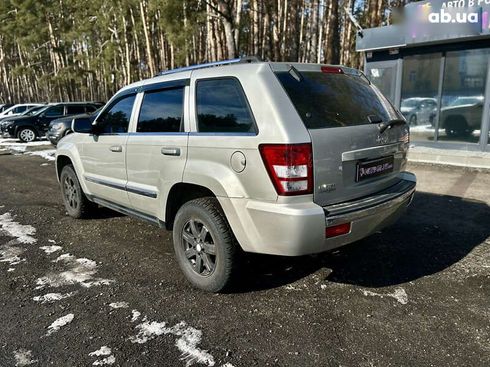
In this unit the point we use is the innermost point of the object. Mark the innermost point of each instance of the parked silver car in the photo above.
(419, 111)
(272, 158)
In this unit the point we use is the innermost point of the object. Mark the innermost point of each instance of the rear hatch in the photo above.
(345, 115)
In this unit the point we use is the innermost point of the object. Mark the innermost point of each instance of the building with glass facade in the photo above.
(435, 67)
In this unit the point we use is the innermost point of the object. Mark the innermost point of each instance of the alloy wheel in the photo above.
(27, 135)
(71, 192)
(199, 247)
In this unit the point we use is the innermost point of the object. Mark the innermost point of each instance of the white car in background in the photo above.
(18, 109)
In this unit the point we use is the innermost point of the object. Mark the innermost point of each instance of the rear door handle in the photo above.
(171, 151)
(116, 148)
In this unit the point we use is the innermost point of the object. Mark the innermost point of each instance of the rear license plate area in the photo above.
(374, 168)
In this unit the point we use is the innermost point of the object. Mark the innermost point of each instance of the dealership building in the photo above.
(435, 67)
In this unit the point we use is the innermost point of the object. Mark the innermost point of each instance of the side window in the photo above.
(222, 107)
(161, 111)
(75, 109)
(20, 109)
(54, 111)
(90, 108)
(116, 119)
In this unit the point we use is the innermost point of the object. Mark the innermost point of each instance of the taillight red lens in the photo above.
(332, 70)
(290, 167)
(337, 230)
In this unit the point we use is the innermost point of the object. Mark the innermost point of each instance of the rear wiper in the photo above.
(383, 126)
(295, 73)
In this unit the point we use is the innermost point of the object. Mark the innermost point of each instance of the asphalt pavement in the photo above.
(108, 291)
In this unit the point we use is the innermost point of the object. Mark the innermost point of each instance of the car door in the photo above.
(52, 113)
(157, 149)
(104, 155)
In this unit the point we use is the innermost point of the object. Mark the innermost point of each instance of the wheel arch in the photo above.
(62, 161)
(179, 194)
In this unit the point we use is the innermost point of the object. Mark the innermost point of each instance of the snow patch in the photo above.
(188, 339)
(9, 253)
(119, 305)
(22, 233)
(78, 272)
(15, 142)
(399, 294)
(53, 297)
(59, 323)
(23, 357)
(51, 249)
(106, 361)
(135, 315)
(46, 154)
(103, 351)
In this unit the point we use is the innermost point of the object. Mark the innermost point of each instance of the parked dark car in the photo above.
(29, 128)
(60, 128)
(29, 112)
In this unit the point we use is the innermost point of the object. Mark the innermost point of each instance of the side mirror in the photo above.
(82, 125)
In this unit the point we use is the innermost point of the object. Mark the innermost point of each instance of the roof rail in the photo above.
(241, 60)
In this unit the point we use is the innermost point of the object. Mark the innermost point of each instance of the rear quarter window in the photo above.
(325, 100)
(222, 107)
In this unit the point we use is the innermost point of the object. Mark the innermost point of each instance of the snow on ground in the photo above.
(119, 305)
(399, 294)
(51, 249)
(187, 341)
(59, 323)
(23, 234)
(103, 351)
(48, 154)
(53, 297)
(77, 272)
(23, 357)
(135, 315)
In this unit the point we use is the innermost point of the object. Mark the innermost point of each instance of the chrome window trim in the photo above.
(158, 134)
(197, 133)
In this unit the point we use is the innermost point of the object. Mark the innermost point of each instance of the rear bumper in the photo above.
(299, 229)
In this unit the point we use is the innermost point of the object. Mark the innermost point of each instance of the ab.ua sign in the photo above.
(436, 20)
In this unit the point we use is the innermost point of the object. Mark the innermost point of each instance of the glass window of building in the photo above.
(419, 96)
(463, 96)
(383, 76)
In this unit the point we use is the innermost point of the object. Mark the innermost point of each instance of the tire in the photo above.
(26, 135)
(201, 230)
(457, 126)
(76, 203)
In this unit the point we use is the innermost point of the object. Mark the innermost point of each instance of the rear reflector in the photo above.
(332, 70)
(338, 230)
(290, 167)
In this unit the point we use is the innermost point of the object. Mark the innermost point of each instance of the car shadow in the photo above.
(435, 233)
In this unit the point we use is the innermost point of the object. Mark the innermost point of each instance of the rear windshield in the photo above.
(335, 100)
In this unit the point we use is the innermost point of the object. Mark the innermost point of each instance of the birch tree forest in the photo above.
(73, 50)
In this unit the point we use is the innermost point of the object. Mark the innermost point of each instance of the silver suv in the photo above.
(272, 158)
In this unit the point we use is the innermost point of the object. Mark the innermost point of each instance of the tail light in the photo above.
(290, 167)
(332, 70)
